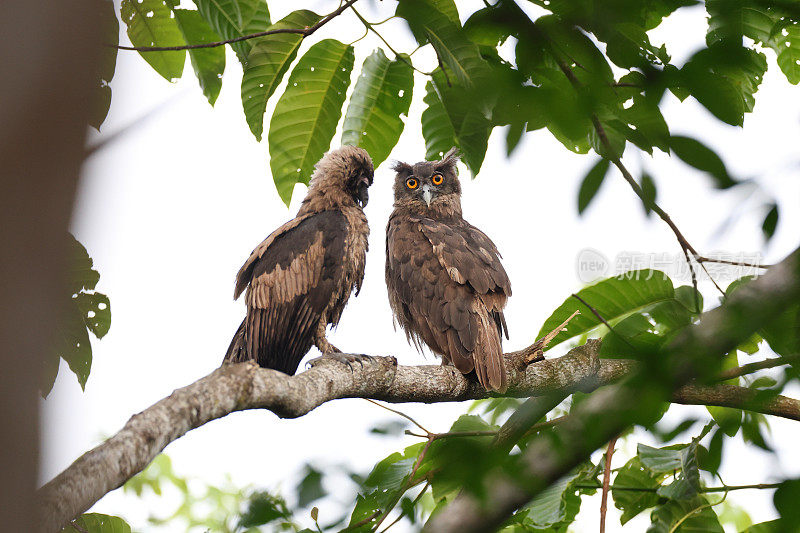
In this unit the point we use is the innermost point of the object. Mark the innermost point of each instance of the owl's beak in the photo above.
(426, 194)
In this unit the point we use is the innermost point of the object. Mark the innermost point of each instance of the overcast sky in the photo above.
(171, 209)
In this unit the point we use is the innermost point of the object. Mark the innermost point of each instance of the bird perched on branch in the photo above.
(299, 279)
(447, 287)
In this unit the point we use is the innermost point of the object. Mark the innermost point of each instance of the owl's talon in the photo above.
(344, 358)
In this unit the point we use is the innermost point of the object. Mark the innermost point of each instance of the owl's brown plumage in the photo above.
(447, 287)
(299, 279)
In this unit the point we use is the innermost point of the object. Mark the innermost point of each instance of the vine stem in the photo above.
(305, 32)
(606, 483)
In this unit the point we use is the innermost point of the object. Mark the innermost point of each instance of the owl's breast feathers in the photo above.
(303, 273)
(448, 288)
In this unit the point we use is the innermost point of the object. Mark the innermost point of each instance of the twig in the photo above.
(369, 26)
(594, 311)
(449, 434)
(360, 523)
(407, 484)
(305, 32)
(534, 352)
(759, 365)
(395, 411)
(79, 529)
(677, 524)
(704, 259)
(413, 503)
(606, 482)
(726, 488)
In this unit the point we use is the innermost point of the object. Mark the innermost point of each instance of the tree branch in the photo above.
(246, 386)
(305, 32)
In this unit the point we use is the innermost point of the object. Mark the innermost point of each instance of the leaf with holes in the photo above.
(150, 23)
(382, 94)
(266, 65)
(208, 63)
(307, 113)
(437, 130)
(97, 523)
(788, 49)
(612, 298)
(236, 18)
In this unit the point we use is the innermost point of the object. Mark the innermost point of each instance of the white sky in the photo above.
(170, 210)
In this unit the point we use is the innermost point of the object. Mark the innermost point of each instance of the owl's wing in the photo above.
(468, 256)
(291, 278)
(449, 288)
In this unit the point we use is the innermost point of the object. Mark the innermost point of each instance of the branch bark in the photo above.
(246, 386)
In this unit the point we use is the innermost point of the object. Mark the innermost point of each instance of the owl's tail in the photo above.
(490, 364)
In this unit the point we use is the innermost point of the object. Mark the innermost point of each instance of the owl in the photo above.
(299, 279)
(447, 287)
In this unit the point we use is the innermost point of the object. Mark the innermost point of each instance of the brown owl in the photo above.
(299, 279)
(447, 287)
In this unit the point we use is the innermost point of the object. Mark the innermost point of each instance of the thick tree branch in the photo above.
(305, 32)
(246, 386)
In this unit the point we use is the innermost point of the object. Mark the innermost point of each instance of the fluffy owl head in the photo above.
(429, 186)
(344, 174)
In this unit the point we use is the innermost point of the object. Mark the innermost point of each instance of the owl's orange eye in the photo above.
(412, 183)
(437, 179)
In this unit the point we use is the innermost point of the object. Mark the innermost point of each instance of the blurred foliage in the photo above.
(85, 311)
(588, 73)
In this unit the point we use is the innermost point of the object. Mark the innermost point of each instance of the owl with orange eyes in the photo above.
(447, 287)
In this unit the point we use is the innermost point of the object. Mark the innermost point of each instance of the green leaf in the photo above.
(785, 499)
(95, 309)
(612, 298)
(208, 63)
(451, 111)
(556, 505)
(263, 508)
(591, 184)
(437, 129)
(460, 55)
(381, 95)
(770, 223)
(631, 502)
(649, 190)
(661, 460)
(307, 113)
(729, 20)
(236, 18)
(310, 487)
(782, 333)
(694, 515)
(788, 48)
(773, 526)
(81, 274)
(150, 23)
(98, 523)
(444, 7)
(266, 64)
(107, 64)
(728, 419)
(696, 154)
(724, 79)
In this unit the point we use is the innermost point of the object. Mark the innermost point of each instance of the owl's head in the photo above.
(342, 176)
(429, 187)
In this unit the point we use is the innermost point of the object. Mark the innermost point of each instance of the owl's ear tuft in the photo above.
(401, 167)
(450, 159)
